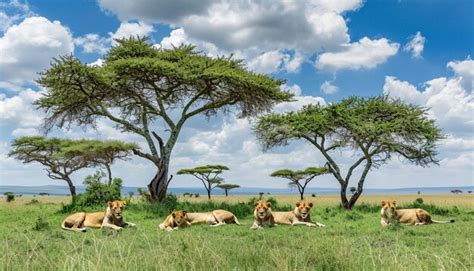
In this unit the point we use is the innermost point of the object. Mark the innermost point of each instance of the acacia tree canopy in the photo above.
(227, 187)
(62, 157)
(374, 128)
(208, 174)
(140, 86)
(300, 178)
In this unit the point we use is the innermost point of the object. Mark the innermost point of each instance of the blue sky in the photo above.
(419, 51)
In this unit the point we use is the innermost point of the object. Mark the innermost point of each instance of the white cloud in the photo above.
(27, 48)
(93, 43)
(295, 89)
(328, 88)
(19, 132)
(416, 45)
(127, 29)
(464, 69)
(19, 111)
(364, 54)
(99, 62)
(262, 33)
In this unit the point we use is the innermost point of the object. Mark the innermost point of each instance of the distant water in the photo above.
(57, 190)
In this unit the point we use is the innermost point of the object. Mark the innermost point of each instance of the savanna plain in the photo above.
(31, 237)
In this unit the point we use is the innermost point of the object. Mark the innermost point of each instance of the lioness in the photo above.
(174, 221)
(416, 216)
(214, 218)
(263, 215)
(111, 218)
(301, 215)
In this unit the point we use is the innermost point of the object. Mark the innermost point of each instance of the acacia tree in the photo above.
(227, 187)
(140, 87)
(101, 153)
(62, 157)
(300, 178)
(374, 129)
(209, 175)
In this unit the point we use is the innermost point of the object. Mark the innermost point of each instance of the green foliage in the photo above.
(375, 128)
(208, 175)
(300, 178)
(40, 224)
(9, 196)
(98, 193)
(419, 200)
(33, 202)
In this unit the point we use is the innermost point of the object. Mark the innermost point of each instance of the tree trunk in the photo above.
(301, 195)
(226, 192)
(208, 194)
(107, 166)
(159, 184)
(72, 188)
(344, 201)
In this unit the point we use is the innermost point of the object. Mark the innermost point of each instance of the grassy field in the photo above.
(31, 239)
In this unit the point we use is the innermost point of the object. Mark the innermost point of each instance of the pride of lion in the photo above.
(263, 216)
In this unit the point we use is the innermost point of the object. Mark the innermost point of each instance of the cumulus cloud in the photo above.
(93, 43)
(271, 36)
(364, 54)
(416, 45)
(328, 88)
(464, 69)
(452, 106)
(19, 111)
(28, 47)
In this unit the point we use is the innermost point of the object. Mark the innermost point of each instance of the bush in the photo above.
(313, 195)
(40, 224)
(33, 202)
(419, 200)
(161, 209)
(10, 196)
(97, 192)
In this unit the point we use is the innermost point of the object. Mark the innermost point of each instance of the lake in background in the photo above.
(57, 190)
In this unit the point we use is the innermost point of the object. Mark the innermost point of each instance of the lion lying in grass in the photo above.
(111, 218)
(390, 214)
(263, 215)
(214, 218)
(174, 221)
(301, 215)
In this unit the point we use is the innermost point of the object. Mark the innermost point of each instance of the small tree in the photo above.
(140, 88)
(300, 178)
(9, 196)
(353, 189)
(374, 129)
(209, 175)
(98, 192)
(227, 187)
(62, 157)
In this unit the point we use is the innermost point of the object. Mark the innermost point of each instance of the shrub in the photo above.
(161, 209)
(196, 195)
(313, 195)
(40, 224)
(33, 202)
(419, 200)
(97, 192)
(10, 196)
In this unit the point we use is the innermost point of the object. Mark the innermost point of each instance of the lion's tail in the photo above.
(64, 227)
(236, 220)
(442, 222)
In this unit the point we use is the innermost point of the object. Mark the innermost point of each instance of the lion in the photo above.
(214, 218)
(417, 216)
(263, 215)
(111, 218)
(177, 219)
(301, 215)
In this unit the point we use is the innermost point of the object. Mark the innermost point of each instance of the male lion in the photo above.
(174, 221)
(214, 218)
(111, 218)
(263, 215)
(301, 215)
(391, 214)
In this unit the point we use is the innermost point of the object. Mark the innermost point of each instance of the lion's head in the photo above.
(116, 208)
(303, 208)
(262, 209)
(389, 208)
(179, 217)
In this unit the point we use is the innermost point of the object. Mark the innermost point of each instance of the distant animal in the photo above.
(177, 219)
(214, 218)
(111, 218)
(390, 214)
(263, 215)
(301, 215)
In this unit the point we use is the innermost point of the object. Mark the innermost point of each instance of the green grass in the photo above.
(31, 239)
